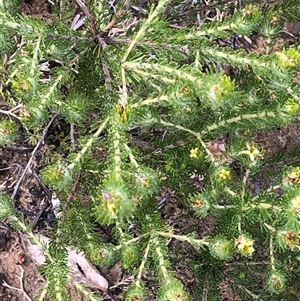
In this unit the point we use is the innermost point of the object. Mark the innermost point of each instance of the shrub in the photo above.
(131, 72)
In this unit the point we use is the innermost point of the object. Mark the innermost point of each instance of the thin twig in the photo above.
(10, 167)
(70, 38)
(117, 16)
(149, 43)
(207, 6)
(9, 113)
(206, 285)
(124, 281)
(241, 287)
(247, 264)
(32, 156)
(90, 17)
(21, 288)
(5, 65)
(71, 195)
(113, 40)
(44, 205)
(107, 77)
(72, 135)
(46, 190)
(5, 227)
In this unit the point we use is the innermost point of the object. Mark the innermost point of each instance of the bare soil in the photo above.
(31, 196)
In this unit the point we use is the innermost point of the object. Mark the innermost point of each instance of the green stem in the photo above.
(87, 145)
(250, 293)
(131, 156)
(232, 57)
(82, 289)
(117, 155)
(244, 184)
(265, 206)
(137, 37)
(136, 66)
(236, 119)
(197, 135)
(272, 255)
(199, 242)
(144, 27)
(142, 265)
(148, 74)
(43, 292)
(31, 237)
(270, 227)
(162, 265)
(128, 242)
(225, 207)
(149, 101)
(239, 223)
(268, 190)
(243, 199)
(35, 56)
(227, 189)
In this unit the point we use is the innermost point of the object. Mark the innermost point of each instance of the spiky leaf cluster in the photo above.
(148, 104)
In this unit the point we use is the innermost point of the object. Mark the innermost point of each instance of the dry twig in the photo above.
(21, 288)
(32, 156)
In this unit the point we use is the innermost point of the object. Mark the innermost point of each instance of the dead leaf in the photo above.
(216, 147)
(81, 269)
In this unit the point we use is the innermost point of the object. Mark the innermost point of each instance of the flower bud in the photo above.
(200, 204)
(275, 282)
(291, 107)
(221, 248)
(22, 84)
(288, 58)
(172, 291)
(224, 88)
(103, 255)
(6, 207)
(136, 293)
(8, 132)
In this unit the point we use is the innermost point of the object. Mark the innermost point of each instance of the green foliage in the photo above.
(221, 248)
(136, 292)
(128, 73)
(275, 282)
(56, 272)
(102, 255)
(8, 132)
(6, 207)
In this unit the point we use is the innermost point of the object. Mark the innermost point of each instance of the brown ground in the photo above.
(30, 197)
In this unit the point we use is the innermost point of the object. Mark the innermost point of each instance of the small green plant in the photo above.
(8, 131)
(124, 73)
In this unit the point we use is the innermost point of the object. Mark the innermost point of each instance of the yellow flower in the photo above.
(245, 245)
(194, 153)
(293, 176)
(296, 204)
(251, 151)
(224, 174)
(288, 58)
(291, 106)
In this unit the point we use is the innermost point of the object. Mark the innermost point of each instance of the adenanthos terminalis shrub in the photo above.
(126, 71)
